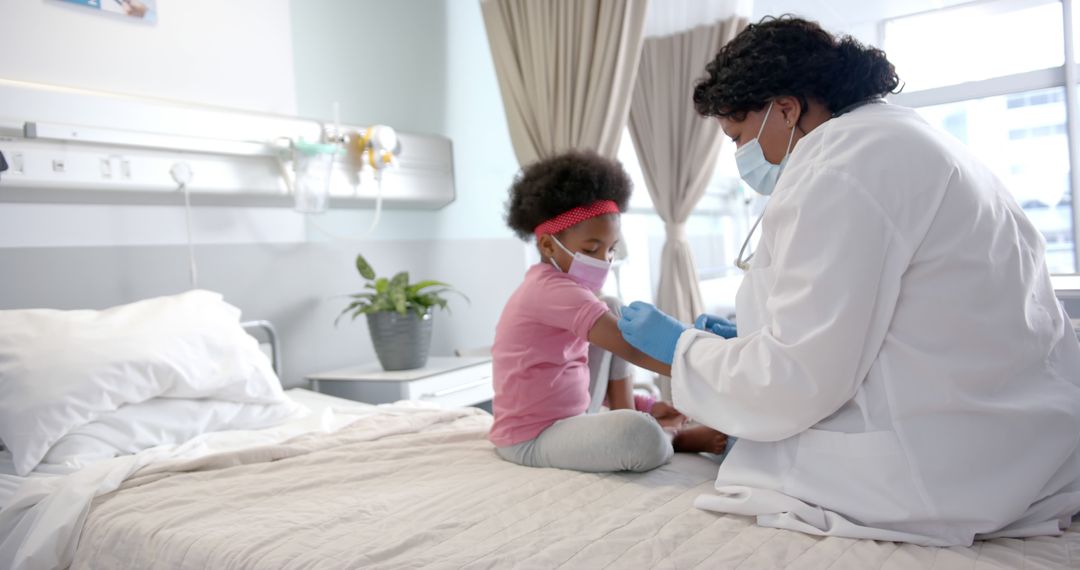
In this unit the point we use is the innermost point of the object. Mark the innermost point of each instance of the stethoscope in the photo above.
(740, 261)
(743, 263)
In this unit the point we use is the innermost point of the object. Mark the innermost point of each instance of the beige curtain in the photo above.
(565, 69)
(677, 148)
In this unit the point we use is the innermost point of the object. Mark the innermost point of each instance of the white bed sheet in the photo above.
(423, 488)
(370, 501)
(41, 515)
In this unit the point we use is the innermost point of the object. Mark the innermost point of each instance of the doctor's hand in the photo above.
(717, 325)
(651, 331)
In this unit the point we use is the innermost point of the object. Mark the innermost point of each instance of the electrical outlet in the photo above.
(58, 165)
(106, 168)
(125, 169)
(17, 163)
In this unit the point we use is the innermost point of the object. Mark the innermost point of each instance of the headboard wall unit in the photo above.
(80, 146)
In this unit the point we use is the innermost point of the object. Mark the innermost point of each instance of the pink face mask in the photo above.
(588, 272)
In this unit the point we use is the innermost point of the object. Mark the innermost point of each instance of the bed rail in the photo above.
(264, 331)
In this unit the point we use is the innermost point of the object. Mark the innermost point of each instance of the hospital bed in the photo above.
(411, 485)
(1067, 289)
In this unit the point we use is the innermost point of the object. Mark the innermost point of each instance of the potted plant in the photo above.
(399, 315)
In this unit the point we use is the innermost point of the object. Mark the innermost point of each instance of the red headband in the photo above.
(575, 216)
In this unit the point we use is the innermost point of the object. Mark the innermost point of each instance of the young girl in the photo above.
(571, 204)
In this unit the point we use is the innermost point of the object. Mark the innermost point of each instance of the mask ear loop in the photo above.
(790, 141)
(763, 121)
(740, 261)
(568, 252)
(559, 243)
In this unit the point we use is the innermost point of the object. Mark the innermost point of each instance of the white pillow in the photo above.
(62, 369)
(160, 421)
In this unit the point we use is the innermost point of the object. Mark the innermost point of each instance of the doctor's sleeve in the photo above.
(835, 280)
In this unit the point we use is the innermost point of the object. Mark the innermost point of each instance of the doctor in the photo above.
(902, 370)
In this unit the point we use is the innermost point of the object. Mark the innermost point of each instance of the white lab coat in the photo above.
(903, 370)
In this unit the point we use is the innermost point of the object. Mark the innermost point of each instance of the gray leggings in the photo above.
(620, 440)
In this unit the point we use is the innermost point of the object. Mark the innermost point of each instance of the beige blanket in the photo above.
(423, 488)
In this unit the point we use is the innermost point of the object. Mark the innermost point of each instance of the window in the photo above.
(1023, 138)
(715, 231)
(989, 72)
(975, 41)
(992, 75)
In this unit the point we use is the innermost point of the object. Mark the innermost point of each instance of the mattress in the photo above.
(415, 487)
(42, 515)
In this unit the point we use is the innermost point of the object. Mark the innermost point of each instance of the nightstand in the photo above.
(448, 381)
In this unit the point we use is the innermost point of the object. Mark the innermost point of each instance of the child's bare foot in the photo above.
(667, 416)
(699, 439)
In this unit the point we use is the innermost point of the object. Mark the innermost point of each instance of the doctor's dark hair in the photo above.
(789, 56)
(551, 186)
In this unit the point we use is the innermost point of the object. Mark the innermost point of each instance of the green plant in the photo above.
(396, 294)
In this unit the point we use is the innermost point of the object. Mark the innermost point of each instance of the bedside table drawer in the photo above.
(447, 381)
(461, 387)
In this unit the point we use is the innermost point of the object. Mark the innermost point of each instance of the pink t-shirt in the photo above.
(540, 356)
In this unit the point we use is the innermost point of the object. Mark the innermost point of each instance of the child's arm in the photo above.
(620, 394)
(605, 333)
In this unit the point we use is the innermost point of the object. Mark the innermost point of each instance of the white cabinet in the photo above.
(448, 381)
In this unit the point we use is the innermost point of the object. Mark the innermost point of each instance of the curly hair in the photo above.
(549, 187)
(793, 57)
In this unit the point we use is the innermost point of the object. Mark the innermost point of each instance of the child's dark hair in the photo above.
(793, 57)
(549, 187)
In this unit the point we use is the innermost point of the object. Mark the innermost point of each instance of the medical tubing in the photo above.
(329, 174)
(192, 268)
(285, 174)
(378, 204)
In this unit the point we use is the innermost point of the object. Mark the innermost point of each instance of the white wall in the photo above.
(95, 225)
(484, 157)
(234, 54)
(439, 79)
(416, 65)
(421, 65)
(382, 61)
(431, 65)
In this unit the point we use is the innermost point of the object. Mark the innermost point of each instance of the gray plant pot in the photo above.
(401, 341)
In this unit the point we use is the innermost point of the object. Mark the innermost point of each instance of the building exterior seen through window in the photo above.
(992, 60)
(1023, 138)
(989, 73)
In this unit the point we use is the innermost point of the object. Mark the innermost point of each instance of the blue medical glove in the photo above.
(651, 331)
(719, 326)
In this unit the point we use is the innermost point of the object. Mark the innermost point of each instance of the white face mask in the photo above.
(589, 272)
(754, 168)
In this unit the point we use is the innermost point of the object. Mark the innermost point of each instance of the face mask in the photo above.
(755, 170)
(587, 271)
